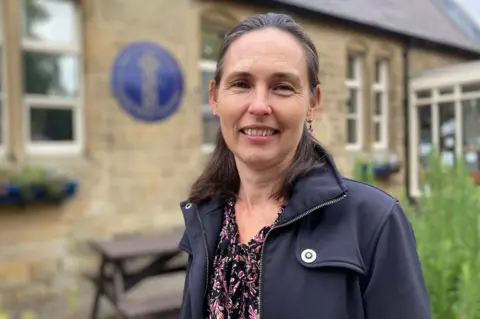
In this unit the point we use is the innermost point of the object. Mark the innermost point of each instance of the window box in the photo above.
(381, 171)
(32, 185)
(382, 166)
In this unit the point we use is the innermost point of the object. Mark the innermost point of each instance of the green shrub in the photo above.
(447, 229)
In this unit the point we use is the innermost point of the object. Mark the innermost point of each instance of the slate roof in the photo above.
(423, 19)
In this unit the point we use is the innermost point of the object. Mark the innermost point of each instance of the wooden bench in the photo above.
(115, 278)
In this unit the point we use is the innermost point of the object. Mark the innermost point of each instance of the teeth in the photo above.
(258, 132)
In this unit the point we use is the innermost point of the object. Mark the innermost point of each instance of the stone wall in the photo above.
(133, 175)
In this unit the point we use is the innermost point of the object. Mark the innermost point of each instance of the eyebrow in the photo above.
(277, 76)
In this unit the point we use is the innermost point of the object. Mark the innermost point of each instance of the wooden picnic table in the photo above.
(114, 278)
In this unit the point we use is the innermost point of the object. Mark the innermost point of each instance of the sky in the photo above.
(472, 7)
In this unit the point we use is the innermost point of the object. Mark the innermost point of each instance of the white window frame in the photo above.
(207, 66)
(434, 84)
(381, 87)
(356, 84)
(3, 96)
(75, 104)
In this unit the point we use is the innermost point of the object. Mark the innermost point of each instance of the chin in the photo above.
(257, 159)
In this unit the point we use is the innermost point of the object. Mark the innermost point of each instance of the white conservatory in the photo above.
(445, 114)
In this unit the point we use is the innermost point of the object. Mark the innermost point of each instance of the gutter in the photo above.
(406, 117)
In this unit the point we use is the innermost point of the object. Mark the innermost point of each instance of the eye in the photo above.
(284, 88)
(240, 84)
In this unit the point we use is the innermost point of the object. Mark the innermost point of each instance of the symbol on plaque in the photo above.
(147, 82)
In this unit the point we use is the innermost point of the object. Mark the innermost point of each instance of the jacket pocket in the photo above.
(314, 251)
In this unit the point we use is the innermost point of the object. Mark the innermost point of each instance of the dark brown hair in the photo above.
(220, 177)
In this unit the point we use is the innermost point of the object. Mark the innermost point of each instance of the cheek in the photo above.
(292, 117)
(230, 109)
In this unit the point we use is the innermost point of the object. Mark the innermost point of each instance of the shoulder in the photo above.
(370, 211)
(368, 199)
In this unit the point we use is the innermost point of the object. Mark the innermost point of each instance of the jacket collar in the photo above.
(317, 187)
(314, 189)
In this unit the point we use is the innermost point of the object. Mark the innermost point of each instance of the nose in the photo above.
(260, 105)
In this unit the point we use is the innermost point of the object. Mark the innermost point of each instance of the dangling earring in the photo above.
(309, 125)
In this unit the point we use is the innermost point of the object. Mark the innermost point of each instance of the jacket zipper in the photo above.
(329, 202)
(206, 250)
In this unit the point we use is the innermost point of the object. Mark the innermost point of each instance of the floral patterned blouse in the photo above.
(234, 284)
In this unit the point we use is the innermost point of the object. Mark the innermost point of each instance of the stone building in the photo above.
(57, 108)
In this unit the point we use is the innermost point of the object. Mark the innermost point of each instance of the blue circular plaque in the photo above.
(147, 81)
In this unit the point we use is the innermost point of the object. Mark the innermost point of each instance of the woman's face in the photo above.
(263, 99)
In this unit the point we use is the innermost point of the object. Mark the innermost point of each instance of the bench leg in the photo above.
(99, 291)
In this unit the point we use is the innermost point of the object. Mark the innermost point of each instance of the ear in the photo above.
(315, 103)
(212, 97)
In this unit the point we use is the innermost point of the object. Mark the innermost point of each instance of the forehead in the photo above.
(267, 50)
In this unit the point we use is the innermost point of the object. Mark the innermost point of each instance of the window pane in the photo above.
(51, 125)
(424, 94)
(377, 132)
(1, 68)
(51, 21)
(211, 124)
(351, 70)
(378, 103)
(425, 139)
(352, 101)
(206, 77)
(351, 131)
(211, 43)
(471, 87)
(50, 74)
(447, 132)
(445, 90)
(471, 133)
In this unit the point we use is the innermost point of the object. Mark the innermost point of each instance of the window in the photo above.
(425, 141)
(354, 102)
(444, 117)
(380, 108)
(51, 76)
(471, 133)
(211, 42)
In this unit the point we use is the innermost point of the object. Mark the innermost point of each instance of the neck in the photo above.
(257, 186)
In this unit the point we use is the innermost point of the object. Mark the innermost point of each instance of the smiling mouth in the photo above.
(259, 132)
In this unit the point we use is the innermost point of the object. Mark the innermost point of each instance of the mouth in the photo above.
(259, 131)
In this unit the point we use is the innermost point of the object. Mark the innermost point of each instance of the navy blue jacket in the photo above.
(341, 250)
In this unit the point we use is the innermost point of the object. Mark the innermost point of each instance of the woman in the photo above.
(272, 229)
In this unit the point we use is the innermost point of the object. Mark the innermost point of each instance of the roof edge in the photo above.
(417, 40)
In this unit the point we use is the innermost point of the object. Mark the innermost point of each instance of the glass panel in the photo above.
(424, 94)
(351, 70)
(1, 68)
(211, 44)
(211, 125)
(352, 101)
(471, 134)
(445, 91)
(378, 103)
(51, 125)
(471, 87)
(447, 132)
(378, 71)
(206, 77)
(50, 74)
(351, 131)
(377, 132)
(425, 140)
(51, 21)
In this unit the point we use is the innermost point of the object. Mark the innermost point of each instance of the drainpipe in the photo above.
(406, 117)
